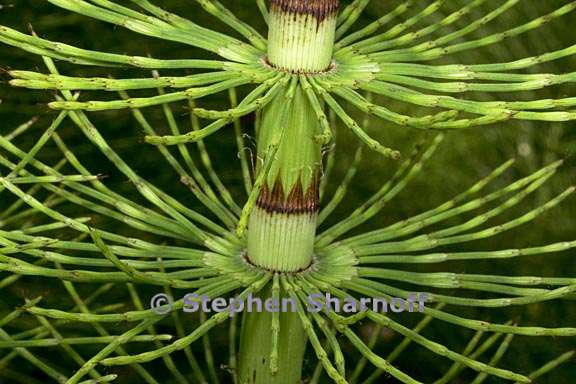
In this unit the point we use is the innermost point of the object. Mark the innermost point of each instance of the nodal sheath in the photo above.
(301, 35)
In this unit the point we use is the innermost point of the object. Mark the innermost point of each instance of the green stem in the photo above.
(282, 225)
(256, 346)
(302, 34)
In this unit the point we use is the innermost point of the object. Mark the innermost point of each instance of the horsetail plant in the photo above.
(314, 70)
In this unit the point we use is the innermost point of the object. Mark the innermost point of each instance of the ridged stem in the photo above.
(282, 226)
(301, 35)
(257, 344)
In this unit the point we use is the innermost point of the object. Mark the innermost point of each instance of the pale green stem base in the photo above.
(280, 241)
(256, 345)
(300, 43)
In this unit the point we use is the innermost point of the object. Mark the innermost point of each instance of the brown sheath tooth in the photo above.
(297, 201)
(321, 9)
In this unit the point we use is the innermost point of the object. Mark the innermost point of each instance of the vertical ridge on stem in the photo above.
(301, 35)
(282, 225)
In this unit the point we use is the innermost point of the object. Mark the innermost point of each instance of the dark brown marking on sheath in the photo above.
(321, 9)
(298, 201)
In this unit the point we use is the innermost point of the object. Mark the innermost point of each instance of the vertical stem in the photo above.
(301, 36)
(256, 345)
(282, 226)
